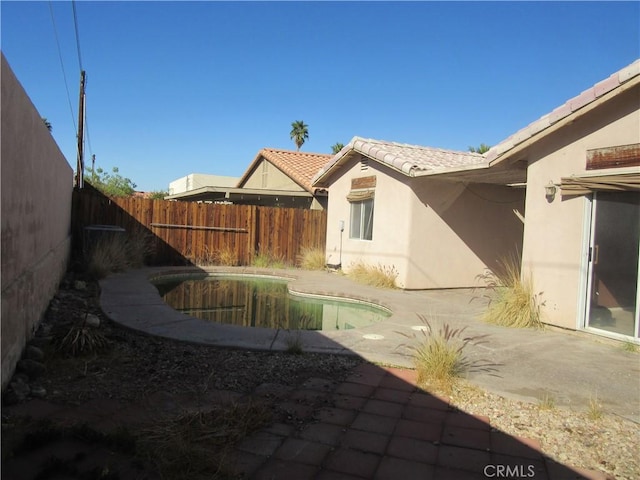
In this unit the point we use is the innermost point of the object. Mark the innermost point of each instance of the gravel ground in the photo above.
(136, 366)
(586, 439)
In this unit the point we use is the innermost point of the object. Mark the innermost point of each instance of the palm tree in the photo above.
(299, 133)
(337, 147)
(481, 149)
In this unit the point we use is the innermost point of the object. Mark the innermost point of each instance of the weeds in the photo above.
(376, 276)
(594, 410)
(312, 258)
(294, 344)
(268, 260)
(513, 302)
(630, 347)
(547, 402)
(227, 257)
(115, 253)
(194, 445)
(439, 358)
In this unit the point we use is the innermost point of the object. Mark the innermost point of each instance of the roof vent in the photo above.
(364, 164)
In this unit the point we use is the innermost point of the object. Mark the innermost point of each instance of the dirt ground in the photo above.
(100, 412)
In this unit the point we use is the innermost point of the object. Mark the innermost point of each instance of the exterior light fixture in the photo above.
(550, 191)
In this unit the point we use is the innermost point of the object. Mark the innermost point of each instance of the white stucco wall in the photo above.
(556, 233)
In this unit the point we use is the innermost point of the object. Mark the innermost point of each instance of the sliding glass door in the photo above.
(613, 291)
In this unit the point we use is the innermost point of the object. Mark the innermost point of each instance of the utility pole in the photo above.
(80, 165)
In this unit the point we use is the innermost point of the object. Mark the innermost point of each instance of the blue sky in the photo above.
(200, 87)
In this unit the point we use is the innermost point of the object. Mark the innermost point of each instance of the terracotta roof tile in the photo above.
(299, 166)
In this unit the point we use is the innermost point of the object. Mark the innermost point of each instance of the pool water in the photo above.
(260, 302)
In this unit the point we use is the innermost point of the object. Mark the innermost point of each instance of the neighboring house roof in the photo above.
(299, 166)
(569, 108)
(412, 160)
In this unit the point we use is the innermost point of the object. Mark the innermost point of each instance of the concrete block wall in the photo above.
(36, 189)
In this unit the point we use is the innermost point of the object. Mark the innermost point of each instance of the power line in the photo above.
(64, 75)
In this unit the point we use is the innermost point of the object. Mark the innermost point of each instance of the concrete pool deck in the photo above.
(572, 368)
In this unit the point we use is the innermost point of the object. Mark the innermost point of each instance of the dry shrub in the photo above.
(265, 259)
(311, 258)
(374, 275)
(82, 339)
(115, 253)
(439, 356)
(227, 257)
(595, 409)
(513, 300)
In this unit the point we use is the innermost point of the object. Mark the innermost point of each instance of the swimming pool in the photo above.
(262, 302)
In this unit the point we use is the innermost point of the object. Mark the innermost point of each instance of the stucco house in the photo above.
(564, 191)
(275, 178)
(392, 205)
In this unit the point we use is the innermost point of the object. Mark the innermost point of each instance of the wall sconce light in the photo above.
(550, 191)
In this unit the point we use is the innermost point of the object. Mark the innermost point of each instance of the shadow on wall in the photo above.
(91, 207)
(481, 215)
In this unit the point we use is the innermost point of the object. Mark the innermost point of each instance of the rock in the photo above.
(44, 330)
(20, 377)
(41, 342)
(92, 320)
(33, 353)
(32, 368)
(38, 391)
(20, 390)
(80, 285)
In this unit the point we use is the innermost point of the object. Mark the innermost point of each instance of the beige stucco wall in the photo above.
(274, 179)
(555, 246)
(435, 234)
(459, 231)
(37, 184)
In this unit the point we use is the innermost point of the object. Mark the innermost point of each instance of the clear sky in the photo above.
(200, 87)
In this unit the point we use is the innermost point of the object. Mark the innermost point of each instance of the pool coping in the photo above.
(130, 299)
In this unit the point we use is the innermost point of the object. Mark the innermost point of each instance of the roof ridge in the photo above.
(294, 152)
(415, 146)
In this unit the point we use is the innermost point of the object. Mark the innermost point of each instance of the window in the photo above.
(362, 220)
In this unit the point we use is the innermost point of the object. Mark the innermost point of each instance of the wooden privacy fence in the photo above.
(203, 233)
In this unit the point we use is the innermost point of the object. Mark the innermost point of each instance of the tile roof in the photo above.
(566, 109)
(412, 160)
(299, 166)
